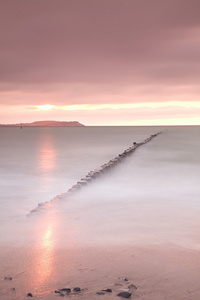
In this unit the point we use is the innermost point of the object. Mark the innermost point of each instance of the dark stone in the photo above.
(124, 294)
(107, 290)
(125, 279)
(65, 290)
(100, 293)
(77, 289)
(7, 278)
(29, 295)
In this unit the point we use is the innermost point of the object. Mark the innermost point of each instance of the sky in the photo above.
(100, 62)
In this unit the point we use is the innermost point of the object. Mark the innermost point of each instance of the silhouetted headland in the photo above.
(46, 124)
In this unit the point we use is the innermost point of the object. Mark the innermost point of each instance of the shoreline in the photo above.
(156, 272)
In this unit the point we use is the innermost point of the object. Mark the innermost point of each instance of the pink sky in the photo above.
(108, 62)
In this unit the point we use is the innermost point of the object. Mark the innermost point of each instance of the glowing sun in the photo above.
(45, 107)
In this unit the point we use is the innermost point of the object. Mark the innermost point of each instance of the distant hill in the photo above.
(46, 124)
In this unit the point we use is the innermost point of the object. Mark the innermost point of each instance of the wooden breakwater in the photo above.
(108, 166)
(94, 174)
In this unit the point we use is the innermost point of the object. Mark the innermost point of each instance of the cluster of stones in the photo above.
(125, 293)
(68, 291)
(106, 167)
(76, 290)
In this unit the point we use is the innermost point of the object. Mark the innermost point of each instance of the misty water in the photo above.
(151, 197)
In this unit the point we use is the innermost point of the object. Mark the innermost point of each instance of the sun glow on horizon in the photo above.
(109, 114)
(45, 107)
(115, 106)
(118, 106)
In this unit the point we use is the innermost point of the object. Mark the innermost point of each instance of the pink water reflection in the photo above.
(47, 155)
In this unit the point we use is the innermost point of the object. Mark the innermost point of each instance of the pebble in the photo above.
(29, 295)
(124, 294)
(76, 289)
(65, 290)
(7, 278)
(100, 293)
(107, 290)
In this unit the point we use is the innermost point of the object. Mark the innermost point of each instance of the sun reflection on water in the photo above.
(47, 155)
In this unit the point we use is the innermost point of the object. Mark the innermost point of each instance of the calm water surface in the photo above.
(36, 164)
(152, 197)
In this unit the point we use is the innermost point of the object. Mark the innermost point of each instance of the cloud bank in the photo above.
(71, 52)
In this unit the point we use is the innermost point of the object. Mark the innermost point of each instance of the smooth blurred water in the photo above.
(36, 164)
(152, 197)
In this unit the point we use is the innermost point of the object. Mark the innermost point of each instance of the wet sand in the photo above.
(158, 272)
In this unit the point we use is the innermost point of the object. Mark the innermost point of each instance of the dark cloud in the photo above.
(45, 44)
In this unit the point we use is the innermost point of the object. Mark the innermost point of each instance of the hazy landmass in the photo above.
(46, 123)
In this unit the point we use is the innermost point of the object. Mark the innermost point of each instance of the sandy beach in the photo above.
(147, 272)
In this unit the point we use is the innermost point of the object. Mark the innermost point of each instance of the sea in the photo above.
(151, 197)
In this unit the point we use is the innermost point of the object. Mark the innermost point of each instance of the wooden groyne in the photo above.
(94, 174)
(108, 166)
